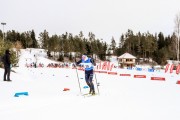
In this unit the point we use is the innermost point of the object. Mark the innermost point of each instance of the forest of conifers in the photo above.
(142, 45)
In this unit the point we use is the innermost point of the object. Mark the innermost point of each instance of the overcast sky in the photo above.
(105, 18)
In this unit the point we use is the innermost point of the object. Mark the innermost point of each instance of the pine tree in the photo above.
(34, 41)
(44, 38)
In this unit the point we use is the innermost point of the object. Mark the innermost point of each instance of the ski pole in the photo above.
(78, 81)
(97, 84)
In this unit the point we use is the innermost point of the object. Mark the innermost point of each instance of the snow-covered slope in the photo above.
(121, 97)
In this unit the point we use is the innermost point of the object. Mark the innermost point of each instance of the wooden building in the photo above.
(126, 60)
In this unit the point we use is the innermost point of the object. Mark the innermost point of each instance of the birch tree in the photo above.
(177, 32)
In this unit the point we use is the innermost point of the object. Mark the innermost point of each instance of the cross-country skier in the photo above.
(88, 64)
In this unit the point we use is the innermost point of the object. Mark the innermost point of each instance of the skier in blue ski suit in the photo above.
(88, 64)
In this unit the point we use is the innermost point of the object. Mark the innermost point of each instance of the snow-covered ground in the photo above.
(121, 97)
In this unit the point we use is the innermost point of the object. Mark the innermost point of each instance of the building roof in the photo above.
(126, 55)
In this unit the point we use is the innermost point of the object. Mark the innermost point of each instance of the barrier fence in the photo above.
(107, 67)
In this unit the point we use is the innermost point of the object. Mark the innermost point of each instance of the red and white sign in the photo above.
(112, 73)
(102, 71)
(105, 66)
(171, 68)
(167, 67)
(178, 69)
(125, 74)
(139, 76)
(96, 71)
(158, 78)
(81, 69)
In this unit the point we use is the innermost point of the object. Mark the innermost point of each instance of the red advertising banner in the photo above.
(112, 73)
(102, 71)
(139, 76)
(157, 78)
(125, 74)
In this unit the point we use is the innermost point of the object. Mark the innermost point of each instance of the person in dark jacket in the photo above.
(88, 64)
(7, 65)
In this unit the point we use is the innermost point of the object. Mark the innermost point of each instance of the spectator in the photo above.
(7, 65)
